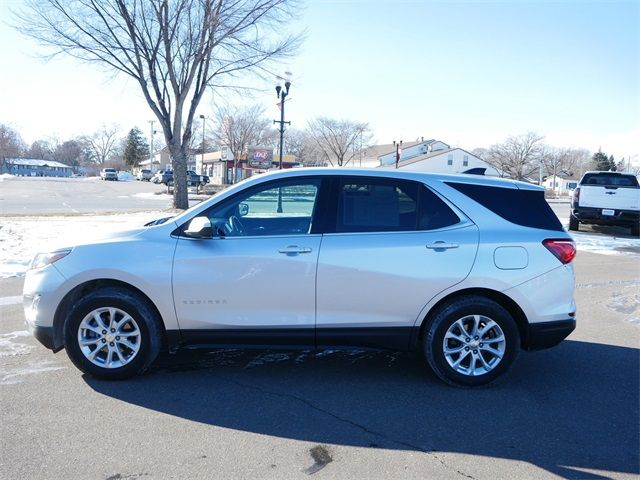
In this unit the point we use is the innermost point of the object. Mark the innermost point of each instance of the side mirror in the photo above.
(199, 227)
(243, 209)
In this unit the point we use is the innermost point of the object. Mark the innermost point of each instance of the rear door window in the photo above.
(367, 204)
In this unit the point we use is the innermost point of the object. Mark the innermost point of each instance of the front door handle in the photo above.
(294, 250)
(440, 245)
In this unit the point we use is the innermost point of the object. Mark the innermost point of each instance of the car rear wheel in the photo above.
(471, 341)
(112, 333)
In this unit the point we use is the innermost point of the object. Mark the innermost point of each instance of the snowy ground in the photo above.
(22, 237)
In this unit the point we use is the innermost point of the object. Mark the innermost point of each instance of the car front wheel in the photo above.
(471, 341)
(112, 333)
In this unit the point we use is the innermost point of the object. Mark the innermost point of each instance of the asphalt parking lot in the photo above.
(83, 195)
(568, 412)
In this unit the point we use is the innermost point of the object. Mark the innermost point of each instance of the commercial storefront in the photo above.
(222, 169)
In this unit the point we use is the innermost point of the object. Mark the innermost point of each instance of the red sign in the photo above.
(261, 158)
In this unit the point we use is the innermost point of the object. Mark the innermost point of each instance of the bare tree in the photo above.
(238, 128)
(11, 144)
(481, 153)
(102, 144)
(300, 144)
(174, 49)
(338, 139)
(41, 150)
(566, 161)
(518, 157)
(70, 152)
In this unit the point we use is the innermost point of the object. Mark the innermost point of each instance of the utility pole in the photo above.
(398, 151)
(151, 146)
(203, 120)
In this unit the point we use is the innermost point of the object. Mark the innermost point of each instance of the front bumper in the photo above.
(548, 334)
(43, 334)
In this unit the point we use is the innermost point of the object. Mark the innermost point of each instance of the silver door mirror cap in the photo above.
(199, 227)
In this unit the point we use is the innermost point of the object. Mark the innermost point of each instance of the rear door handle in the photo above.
(442, 245)
(294, 250)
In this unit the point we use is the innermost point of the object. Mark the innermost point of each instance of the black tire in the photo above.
(574, 224)
(463, 309)
(138, 309)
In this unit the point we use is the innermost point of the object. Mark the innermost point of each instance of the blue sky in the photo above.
(470, 73)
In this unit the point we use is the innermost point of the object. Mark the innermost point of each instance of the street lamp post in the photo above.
(282, 93)
(151, 146)
(202, 158)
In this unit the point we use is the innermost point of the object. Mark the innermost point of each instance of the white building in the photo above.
(560, 185)
(448, 160)
(411, 150)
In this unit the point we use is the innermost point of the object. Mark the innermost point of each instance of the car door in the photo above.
(394, 246)
(254, 281)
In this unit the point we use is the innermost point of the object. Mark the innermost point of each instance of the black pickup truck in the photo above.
(193, 179)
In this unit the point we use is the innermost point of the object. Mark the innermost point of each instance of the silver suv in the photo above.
(466, 269)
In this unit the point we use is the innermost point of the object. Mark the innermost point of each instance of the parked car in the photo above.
(606, 198)
(193, 179)
(465, 269)
(144, 175)
(157, 177)
(109, 174)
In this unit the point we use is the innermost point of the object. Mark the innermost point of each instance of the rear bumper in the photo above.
(625, 218)
(548, 334)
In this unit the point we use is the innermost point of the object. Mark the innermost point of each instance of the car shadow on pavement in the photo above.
(569, 410)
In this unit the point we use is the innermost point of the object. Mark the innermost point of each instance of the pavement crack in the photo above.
(354, 424)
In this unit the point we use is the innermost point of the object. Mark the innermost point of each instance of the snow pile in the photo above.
(22, 237)
(5, 175)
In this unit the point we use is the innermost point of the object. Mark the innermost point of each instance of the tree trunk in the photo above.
(180, 188)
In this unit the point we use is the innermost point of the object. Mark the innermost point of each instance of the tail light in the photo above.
(563, 249)
(576, 196)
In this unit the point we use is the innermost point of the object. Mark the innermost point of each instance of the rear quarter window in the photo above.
(522, 207)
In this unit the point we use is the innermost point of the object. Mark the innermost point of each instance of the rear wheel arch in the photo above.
(500, 298)
(66, 306)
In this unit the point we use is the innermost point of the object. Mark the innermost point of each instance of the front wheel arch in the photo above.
(71, 298)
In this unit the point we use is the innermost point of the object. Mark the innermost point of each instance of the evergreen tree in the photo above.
(602, 162)
(612, 164)
(137, 148)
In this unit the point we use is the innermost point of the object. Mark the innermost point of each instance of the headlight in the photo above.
(44, 259)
